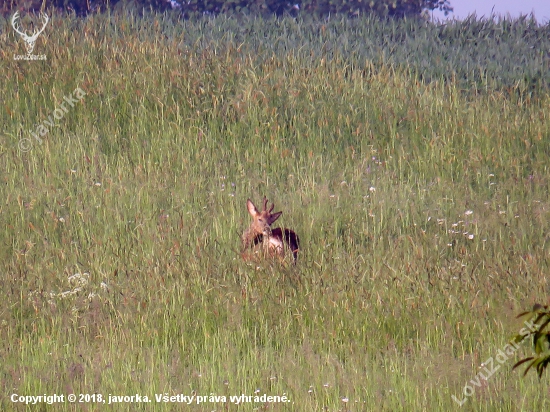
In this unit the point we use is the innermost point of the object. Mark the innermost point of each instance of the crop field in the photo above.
(412, 159)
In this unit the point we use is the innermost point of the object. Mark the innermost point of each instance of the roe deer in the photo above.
(261, 238)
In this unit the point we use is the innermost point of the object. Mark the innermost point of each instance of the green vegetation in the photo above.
(415, 173)
(540, 336)
(381, 8)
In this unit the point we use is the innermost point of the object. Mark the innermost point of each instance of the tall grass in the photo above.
(422, 206)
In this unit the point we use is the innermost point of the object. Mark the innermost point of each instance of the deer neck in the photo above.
(266, 236)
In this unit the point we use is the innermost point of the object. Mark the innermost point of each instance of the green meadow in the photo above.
(412, 159)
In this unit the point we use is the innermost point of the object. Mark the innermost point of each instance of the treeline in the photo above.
(383, 8)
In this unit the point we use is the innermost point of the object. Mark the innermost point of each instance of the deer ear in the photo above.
(251, 208)
(273, 217)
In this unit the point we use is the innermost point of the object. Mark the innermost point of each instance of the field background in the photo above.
(411, 158)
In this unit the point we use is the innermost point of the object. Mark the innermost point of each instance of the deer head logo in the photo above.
(30, 40)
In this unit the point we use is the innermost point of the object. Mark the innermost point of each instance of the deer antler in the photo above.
(14, 24)
(45, 20)
(29, 40)
(265, 206)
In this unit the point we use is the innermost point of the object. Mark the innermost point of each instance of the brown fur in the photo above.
(261, 239)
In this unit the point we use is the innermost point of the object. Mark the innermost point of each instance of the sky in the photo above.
(462, 8)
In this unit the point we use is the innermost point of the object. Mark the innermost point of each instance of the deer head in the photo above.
(262, 219)
(262, 238)
(29, 40)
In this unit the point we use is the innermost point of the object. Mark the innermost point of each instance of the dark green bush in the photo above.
(396, 8)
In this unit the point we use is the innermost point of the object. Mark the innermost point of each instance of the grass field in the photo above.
(417, 178)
